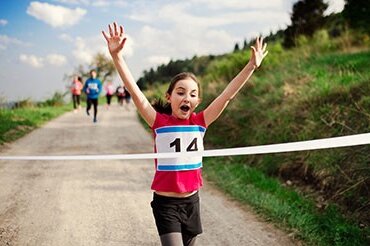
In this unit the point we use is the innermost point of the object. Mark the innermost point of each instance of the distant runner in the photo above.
(92, 88)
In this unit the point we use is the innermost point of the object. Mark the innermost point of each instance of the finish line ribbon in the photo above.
(325, 143)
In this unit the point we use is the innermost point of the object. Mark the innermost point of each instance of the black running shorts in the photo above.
(174, 214)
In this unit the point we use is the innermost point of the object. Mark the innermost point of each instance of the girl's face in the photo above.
(184, 98)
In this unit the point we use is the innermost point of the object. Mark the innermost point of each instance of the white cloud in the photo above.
(158, 60)
(54, 15)
(179, 44)
(237, 4)
(128, 50)
(189, 34)
(66, 37)
(56, 59)
(3, 22)
(96, 3)
(335, 6)
(177, 13)
(32, 60)
(179, 31)
(74, 2)
(150, 37)
(121, 3)
(81, 52)
(5, 41)
(86, 48)
(101, 3)
(179, 17)
(221, 36)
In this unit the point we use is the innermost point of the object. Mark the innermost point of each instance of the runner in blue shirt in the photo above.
(92, 88)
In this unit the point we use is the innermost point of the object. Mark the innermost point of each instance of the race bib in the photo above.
(93, 86)
(179, 139)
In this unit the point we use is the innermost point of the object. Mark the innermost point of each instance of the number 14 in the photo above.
(193, 146)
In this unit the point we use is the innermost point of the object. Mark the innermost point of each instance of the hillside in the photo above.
(304, 97)
(317, 90)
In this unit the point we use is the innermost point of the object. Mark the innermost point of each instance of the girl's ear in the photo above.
(199, 101)
(168, 98)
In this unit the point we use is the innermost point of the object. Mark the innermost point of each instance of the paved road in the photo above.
(102, 202)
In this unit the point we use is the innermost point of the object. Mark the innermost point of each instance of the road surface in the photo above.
(103, 202)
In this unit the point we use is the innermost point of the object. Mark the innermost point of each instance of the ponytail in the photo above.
(162, 107)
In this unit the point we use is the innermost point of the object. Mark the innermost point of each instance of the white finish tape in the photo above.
(336, 142)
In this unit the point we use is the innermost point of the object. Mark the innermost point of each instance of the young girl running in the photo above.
(176, 127)
(76, 88)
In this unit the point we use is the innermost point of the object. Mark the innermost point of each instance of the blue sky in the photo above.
(41, 41)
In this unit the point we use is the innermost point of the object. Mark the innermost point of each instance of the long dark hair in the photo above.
(164, 107)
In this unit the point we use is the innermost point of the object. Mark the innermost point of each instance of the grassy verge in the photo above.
(283, 205)
(15, 123)
(313, 97)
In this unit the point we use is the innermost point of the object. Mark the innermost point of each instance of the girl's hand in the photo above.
(258, 52)
(116, 39)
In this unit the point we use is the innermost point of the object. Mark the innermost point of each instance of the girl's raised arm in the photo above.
(214, 110)
(116, 41)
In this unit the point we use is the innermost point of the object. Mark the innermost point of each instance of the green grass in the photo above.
(283, 205)
(15, 123)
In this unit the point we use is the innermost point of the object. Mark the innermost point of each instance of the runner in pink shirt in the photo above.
(177, 128)
(109, 92)
(75, 89)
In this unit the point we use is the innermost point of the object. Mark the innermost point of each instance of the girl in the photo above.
(109, 89)
(76, 88)
(177, 128)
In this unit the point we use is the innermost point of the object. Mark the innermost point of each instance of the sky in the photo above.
(42, 41)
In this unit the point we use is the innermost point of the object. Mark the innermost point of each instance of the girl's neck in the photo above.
(174, 116)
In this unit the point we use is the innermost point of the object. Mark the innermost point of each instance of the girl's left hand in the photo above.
(258, 52)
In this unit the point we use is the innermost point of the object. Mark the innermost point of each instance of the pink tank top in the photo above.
(175, 135)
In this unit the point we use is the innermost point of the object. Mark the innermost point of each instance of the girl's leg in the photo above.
(88, 102)
(189, 240)
(171, 239)
(95, 108)
(109, 99)
(74, 101)
(78, 100)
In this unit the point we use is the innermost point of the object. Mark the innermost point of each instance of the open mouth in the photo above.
(185, 108)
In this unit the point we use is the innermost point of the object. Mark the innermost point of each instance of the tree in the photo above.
(245, 45)
(104, 66)
(236, 47)
(357, 14)
(307, 17)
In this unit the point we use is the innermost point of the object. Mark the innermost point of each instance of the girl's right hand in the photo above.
(116, 39)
